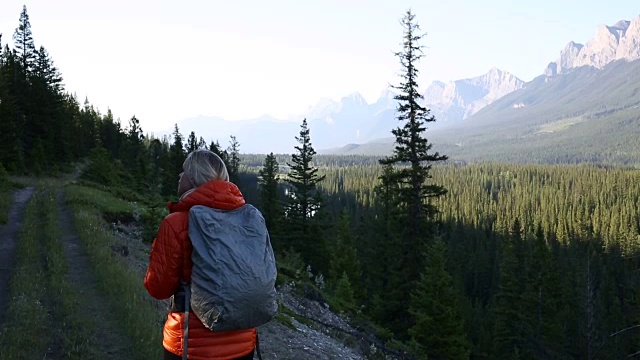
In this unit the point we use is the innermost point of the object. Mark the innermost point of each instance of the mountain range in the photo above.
(352, 119)
(597, 80)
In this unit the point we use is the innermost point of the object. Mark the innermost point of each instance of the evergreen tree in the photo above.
(344, 294)
(202, 144)
(509, 325)
(9, 127)
(175, 160)
(24, 44)
(344, 259)
(137, 158)
(217, 149)
(439, 327)
(269, 198)
(542, 299)
(233, 164)
(411, 154)
(303, 200)
(192, 143)
(383, 252)
(25, 57)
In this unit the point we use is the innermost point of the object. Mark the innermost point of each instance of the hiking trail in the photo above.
(8, 239)
(109, 342)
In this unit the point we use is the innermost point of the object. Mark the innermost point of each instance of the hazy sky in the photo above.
(168, 60)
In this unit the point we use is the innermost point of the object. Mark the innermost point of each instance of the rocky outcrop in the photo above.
(457, 100)
(610, 43)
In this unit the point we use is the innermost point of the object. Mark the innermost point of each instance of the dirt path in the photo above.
(110, 343)
(8, 237)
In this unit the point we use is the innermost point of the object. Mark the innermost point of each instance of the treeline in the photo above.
(545, 258)
(43, 129)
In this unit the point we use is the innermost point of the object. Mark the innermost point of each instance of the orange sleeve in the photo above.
(165, 263)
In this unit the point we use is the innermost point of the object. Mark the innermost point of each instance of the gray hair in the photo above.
(203, 165)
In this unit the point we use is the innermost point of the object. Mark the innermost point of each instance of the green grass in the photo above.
(26, 332)
(107, 204)
(560, 125)
(131, 306)
(43, 311)
(76, 338)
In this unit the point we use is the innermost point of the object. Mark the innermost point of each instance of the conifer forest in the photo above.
(443, 260)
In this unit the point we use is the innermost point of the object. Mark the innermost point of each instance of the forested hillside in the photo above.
(494, 261)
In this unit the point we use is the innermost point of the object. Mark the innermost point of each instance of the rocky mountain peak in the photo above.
(610, 43)
(457, 100)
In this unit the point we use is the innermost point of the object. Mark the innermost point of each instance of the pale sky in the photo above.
(165, 61)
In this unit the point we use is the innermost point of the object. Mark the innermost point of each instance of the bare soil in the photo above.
(108, 340)
(8, 240)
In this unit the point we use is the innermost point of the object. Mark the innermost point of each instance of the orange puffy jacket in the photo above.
(170, 261)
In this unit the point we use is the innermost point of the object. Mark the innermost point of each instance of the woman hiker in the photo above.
(204, 181)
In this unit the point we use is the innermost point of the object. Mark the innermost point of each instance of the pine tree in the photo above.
(137, 162)
(509, 325)
(217, 149)
(413, 160)
(542, 299)
(174, 163)
(23, 39)
(56, 125)
(202, 144)
(383, 252)
(9, 126)
(234, 159)
(269, 198)
(344, 294)
(344, 257)
(439, 327)
(192, 143)
(303, 200)
(25, 57)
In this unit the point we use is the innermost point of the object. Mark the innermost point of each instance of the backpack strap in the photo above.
(187, 308)
(258, 346)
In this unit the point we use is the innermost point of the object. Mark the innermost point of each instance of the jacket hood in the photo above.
(218, 194)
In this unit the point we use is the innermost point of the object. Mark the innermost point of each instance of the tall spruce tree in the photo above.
(233, 163)
(25, 57)
(24, 44)
(217, 149)
(439, 327)
(175, 160)
(510, 318)
(9, 127)
(192, 142)
(304, 200)
(413, 161)
(344, 259)
(202, 144)
(137, 157)
(269, 198)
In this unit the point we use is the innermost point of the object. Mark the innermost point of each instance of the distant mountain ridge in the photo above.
(459, 104)
(458, 100)
(620, 41)
(352, 119)
(589, 112)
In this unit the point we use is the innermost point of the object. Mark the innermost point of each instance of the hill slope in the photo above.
(584, 115)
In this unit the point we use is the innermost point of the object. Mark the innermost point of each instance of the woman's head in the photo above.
(199, 167)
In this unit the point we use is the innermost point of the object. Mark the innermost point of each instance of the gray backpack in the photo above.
(234, 269)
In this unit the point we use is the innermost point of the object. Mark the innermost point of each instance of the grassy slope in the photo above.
(131, 304)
